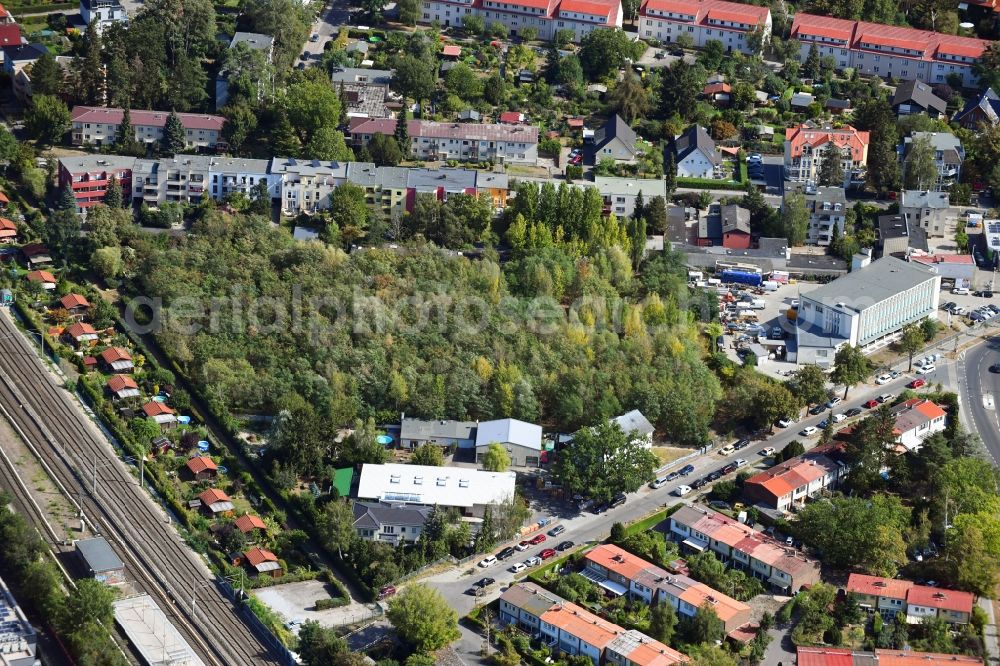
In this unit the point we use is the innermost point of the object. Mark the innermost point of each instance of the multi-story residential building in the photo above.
(88, 176)
(867, 308)
(704, 21)
(927, 210)
(546, 16)
(366, 91)
(806, 146)
(97, 126)
(468, 490)
(916, 420)
(568, 628)
(889, 51)
(620, 194)
(828, 656)
(742, 547)
(795, 481)
(18, 641)
(948, 157)
(889, 596)
(620, 572)
(898, 236)
(429, 140)
(391, 523)
(190, 178)
(103, 13)
(827, 208)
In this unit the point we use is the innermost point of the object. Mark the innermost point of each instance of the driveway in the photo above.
(328, 22)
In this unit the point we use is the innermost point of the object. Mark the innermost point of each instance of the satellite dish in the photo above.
(967, 25)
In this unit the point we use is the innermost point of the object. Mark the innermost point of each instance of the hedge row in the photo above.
(709, 184)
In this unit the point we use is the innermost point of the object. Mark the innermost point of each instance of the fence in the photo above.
(257, 625)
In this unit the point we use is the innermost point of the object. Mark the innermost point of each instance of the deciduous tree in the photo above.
(423, 618)
(496, 458)
(603, 461)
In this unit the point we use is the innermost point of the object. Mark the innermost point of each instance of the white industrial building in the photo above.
(468, 490)
(867, 308)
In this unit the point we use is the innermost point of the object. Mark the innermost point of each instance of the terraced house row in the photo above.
(885, 50)
(297, 186)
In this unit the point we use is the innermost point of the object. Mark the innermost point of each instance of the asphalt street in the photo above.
(979, 389)
(329, 20)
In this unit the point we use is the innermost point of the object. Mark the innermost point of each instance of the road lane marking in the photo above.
(988, 401)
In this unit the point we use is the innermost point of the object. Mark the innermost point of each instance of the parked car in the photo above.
(784, 423)
(883, 379)
(518, 567)
(767, 451)
(547, 553)
(853, 411)
(618, 500)
(837, 418)
(871, 404)
(817, 410)
(885, 397)
(960, 291)
(658, 483)
(673, 476)
(386, 592)
(697, 483)
(729, 469)
(532, 561)
(823, 424)
(523, 546)
(487, 562)
(917, 383)
(726, 450)
(742, 444)
(484, 582)
(660, 55)
(719, 505)
(687, 469)
(740, 462)
(537, 539)
(808, 431)
(505, 553)
(995, 367)
(557, 530)
(948, 306)
(833, 402)
(926, 369)
(681, 491)
(564, 546)
(714, 476)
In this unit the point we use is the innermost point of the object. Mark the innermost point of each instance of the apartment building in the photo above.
(948, 157)
(103, 13)
(889, 51)
(807, 145)
(98, 126)
(468, 490)
(889, 596)
(916, 420)
(795, 481)
(703, 21)
(927, 210)
(88, 176)
(742, 547)
(190, 178)
(573, 630)
(546, 16)
(429, 140)
(620, 572)
(828, 656)
(827, 208)
(898, 236)
(867, 308)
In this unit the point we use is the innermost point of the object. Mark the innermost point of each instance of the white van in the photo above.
(681, 491)
(758, 304)
(769, 285)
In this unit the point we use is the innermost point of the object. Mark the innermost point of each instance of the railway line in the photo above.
(59, 432)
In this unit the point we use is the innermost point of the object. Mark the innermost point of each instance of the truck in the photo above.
(781, 277)
(695, 276)
(769, 285)
(758, 304)
(742, 277)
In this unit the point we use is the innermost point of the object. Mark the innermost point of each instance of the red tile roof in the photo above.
(213, 496)
(512, 117)
(451, 50)
(876, 586)
(935, 597)
(248, 523)
(930, 259)
(153, 408)
(34, 249)
(79, 329)
(70, 301)
(41, 276)
(7, 227)
(910, 658)
(812, 656)
(582, 624)
(256, 556)
(112, 116)
(703, 10)
(201, 464)
(589, 7)
(114, 354)
(436, 130)
(715, 88)
(120, 383)
(3, 197)
(817, 137)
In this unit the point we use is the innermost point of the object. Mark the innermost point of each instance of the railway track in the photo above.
(56, 428)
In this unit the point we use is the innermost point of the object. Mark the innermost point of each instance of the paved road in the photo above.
(979, 390)
(328, 22)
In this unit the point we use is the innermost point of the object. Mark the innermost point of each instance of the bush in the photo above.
(833, 636)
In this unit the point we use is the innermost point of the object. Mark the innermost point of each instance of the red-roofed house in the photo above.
(916, 420)
(8, 231)
(703, 20)
(75, 304)
(889, 51)
(545, 16)
(451, 51)
(44, 278)
(806, 148)
(953, 266)
(249, 523)
(81, 334)
(96, 125)
(515, 144)
(263, 561)
(794, 481)
(827, 656)
(512, 117)
(122, 387)
(215, 502)
(117, 359)
(202, 468)
(10, 31)
(160, 414)
(888, 596)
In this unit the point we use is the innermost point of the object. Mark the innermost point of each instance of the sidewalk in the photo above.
(990, 632)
